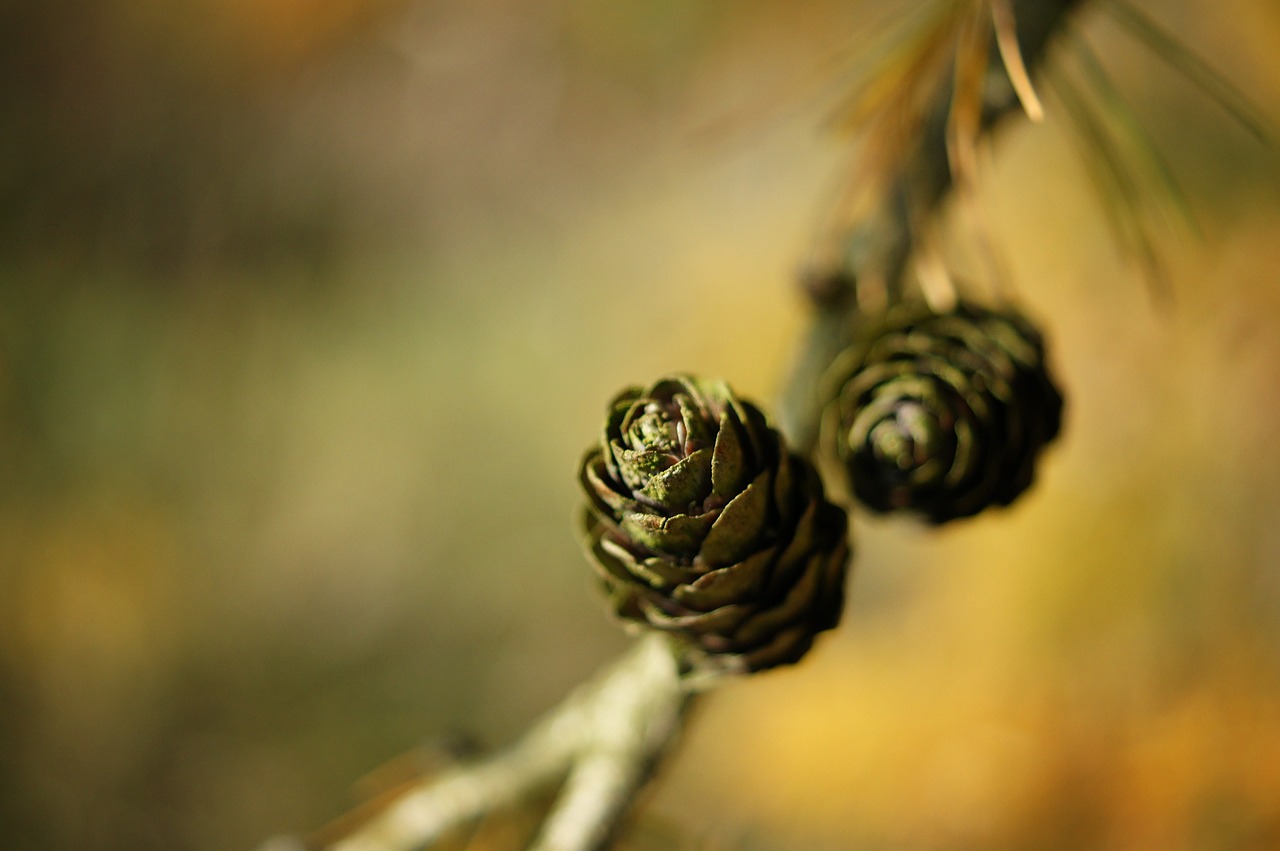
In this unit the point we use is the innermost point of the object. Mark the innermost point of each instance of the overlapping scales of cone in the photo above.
(702, 524)
(942, 414)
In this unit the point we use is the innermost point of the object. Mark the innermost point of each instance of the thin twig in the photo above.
(634, 718)
(427, 812)
(606, 737)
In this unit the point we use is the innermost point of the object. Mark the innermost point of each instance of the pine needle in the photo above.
(964, 128)
(1184, 60)
(889, 110)
(1120, 192)
(891, 62)
(1127, 123)
(847, 69)
(936, 283)
(1006, 27)
(964, 120)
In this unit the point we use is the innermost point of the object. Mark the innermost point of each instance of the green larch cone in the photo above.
(942, 414)
(702, 524)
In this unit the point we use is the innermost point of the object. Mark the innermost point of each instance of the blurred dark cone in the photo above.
(941, 414)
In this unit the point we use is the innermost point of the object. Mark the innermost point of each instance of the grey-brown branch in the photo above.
(601, 743)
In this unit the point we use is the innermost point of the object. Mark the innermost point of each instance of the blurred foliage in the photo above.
(307, 312)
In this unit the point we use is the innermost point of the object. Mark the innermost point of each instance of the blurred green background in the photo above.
(307, 311)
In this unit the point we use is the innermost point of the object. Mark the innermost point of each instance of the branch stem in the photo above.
(635, 717)
(602, 742)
